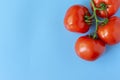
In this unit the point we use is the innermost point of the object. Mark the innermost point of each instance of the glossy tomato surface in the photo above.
(88, 48)
(74, 20)
(112, 7)
(110, 33)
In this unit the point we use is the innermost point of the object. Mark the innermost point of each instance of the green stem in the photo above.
(91, 17)
(96, 19)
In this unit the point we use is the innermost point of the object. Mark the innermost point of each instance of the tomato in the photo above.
(74, 20)
(119, 3)
(110, 33)
(88, 48)
(111, 7)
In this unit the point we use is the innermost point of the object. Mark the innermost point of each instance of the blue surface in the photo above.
(34, 45)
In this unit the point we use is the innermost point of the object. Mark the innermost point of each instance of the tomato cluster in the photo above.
(78, 19)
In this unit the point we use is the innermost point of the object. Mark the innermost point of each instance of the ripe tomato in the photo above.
(110, 33)
(74, 19)
(88, 48)
(119, 3)
(111, 6)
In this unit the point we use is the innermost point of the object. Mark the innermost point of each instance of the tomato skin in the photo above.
(119, 3)
(88, 48)
(112, 7)
(74, 19)
(110, 33)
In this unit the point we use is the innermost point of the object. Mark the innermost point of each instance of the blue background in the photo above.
(34, 45)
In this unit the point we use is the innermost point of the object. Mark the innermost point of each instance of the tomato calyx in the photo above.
(87, 20)
(94, 16)
(105, 21)
(103, 6)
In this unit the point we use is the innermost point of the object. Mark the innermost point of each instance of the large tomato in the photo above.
(74, 19)
(88, 48)
(110, 7)
(110, 33)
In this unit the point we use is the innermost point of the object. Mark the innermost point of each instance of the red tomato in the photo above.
(74, 19)
(110, 33)
(88, 48)
(119, 3)
(112, 7)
